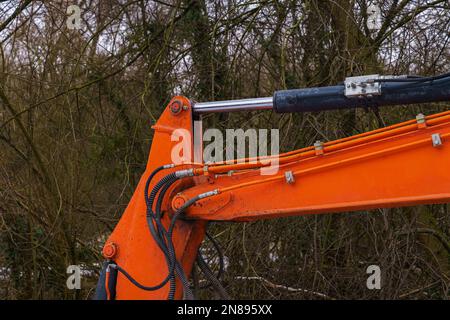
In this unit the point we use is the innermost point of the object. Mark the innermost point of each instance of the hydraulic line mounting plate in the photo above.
(362, 86)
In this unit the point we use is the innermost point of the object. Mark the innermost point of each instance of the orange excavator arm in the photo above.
(403, 165)
(151, 252)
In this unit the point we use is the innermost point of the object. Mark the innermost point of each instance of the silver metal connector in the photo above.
(184, 173)
(111, 266)
(168, 166)
(208, 194)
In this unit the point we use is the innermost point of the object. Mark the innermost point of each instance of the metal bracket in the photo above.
(421, 121)
(437, 141)
(366, 86)
(289, 177)
(362, 86)
(318, 147)
(420, 118)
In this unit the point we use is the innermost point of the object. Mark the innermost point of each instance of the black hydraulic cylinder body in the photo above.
(333, 97)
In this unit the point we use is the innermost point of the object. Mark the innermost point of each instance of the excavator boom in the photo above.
(403, 165)
(150, 253)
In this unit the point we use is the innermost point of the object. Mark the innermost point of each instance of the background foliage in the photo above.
(76, 108)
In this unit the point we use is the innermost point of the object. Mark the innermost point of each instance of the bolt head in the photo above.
(175, 107)
(178, 202)
(110, 250)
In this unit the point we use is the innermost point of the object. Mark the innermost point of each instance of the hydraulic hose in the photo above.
(211, 277)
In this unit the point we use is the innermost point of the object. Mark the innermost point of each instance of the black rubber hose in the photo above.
(171, 265)
(155, 233)
(133, 281)
(221, 261)
(219, 253)
(159, 235)
(164, 235)
(150, 178)
(211, 278)
(187, 292)
(415, 78)
(151, 198)
(151, 216)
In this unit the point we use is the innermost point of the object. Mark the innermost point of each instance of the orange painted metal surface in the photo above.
(135, 250)
(389, 167)
(386, 168)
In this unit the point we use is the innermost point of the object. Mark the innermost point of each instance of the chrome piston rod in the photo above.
(234, 105)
